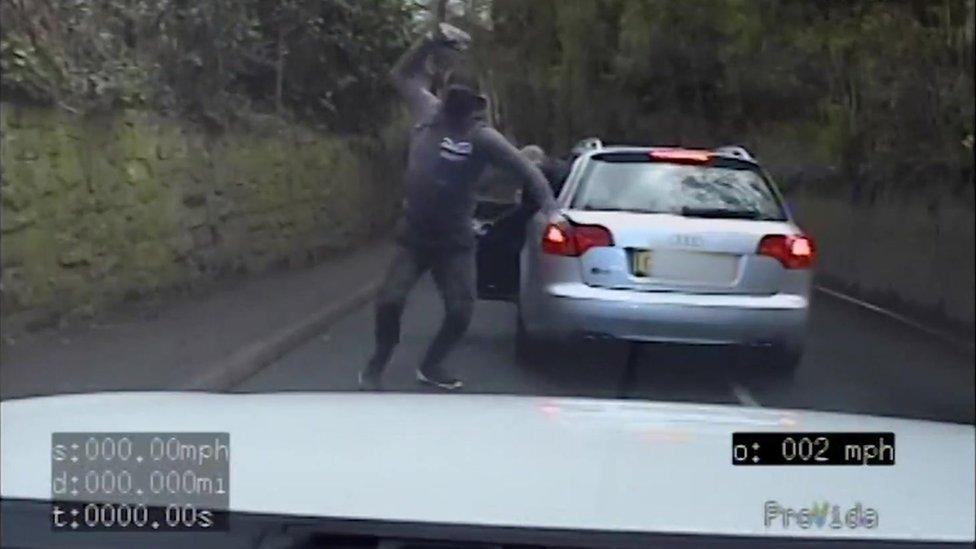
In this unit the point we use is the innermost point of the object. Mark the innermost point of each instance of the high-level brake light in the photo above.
(681, 156)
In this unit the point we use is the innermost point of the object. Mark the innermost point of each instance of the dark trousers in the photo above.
(454, 274)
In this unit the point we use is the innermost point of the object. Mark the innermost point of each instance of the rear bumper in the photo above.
(570, 309)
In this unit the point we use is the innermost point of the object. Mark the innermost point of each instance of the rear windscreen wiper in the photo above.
(720, 213)
(628, 210)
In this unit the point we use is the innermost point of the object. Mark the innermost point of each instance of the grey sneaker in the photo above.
(369, 381)
(439, 380)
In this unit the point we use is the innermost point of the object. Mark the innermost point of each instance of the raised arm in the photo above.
(411, 79)
(410, 72)
(500, 153)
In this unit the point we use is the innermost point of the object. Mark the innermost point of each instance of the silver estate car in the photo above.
(657, 245)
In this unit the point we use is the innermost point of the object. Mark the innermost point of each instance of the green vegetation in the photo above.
(102, 198)
(99, 209)
(115, 184)
(321, 61)
(866, 92)
(860, 89)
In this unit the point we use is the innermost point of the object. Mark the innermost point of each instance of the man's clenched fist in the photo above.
(450, 36)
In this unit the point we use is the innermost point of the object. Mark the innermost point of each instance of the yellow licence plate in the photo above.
(640, 262)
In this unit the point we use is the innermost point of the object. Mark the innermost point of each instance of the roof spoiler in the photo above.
(586, 145)
(736, 151)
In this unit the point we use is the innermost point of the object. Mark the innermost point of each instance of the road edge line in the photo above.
(895, 316)
(252, 358)
(744, 396)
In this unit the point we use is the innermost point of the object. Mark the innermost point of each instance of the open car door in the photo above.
(501, 232)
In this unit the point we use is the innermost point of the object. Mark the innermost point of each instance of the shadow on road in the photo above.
(645, 371)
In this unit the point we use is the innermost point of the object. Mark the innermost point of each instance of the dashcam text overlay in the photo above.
(139, 481)
(771, 448)
(820, 515)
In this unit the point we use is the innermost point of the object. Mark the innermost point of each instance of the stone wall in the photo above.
(104, 209)
(911, 254)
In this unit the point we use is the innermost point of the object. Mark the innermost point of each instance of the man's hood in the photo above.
(520, 461)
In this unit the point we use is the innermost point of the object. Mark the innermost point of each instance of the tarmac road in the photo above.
(856, 361)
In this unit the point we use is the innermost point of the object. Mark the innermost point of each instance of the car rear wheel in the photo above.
(528, 347)
(778, 363)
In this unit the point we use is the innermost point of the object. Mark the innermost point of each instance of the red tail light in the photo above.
(793, 252)
(681, 156)
(574, 240)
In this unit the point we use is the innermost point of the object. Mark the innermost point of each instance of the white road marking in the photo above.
(744, 396)
(895, 316)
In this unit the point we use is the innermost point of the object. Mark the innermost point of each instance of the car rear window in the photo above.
(632, 182)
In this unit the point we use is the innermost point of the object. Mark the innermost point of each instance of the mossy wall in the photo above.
(906, 253)
(98, 210)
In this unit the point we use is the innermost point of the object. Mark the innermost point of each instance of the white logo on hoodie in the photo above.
(455, 152)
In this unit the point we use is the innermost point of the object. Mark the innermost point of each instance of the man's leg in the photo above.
(454, 274)
(402, 275)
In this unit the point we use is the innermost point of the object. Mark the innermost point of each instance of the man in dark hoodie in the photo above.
(450, 145)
